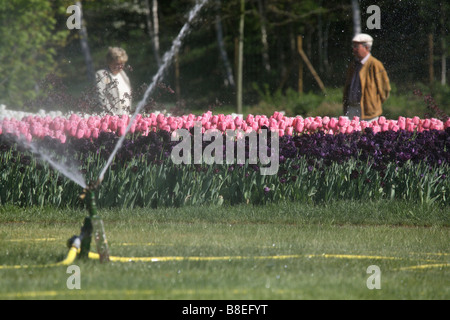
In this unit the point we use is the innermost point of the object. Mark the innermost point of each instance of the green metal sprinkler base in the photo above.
(92, 227)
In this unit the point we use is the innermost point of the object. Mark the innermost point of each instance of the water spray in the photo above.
(93, 224)
(167, 59)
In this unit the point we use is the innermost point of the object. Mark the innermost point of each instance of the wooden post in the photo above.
(430, 58)
(240, 59)
(177, 77)
(311, 68)
(300, 67)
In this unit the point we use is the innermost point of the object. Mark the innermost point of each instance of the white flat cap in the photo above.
(363, 38)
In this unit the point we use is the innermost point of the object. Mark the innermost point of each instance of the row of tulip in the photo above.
(314, 168)
(37, 127)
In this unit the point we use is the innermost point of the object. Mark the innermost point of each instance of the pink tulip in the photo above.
(161, 124)
(279, 116)
(121, 130)
(80, 133)
(262, 122)
(174, 125)
(447, 123)
(376, 128)
(95, 133)
(73, 131)
(67, 125)
(333, 123)
(426, 123)
(289, 131)
(222, 126)
(104, 126)
(299, 126)
(342, 121)
(63, 138)
(391, 124)
(313, 126)
(231, 125)
(113, 125)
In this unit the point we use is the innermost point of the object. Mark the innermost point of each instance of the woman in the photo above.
(113, 84)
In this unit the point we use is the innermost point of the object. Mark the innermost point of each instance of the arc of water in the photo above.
(60, 167)
(168, 57)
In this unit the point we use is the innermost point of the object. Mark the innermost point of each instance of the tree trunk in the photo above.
(356, 17)
(156, 28)
(265, 44)
(430, 59)
(151, 31)
(85, 47)
(443, 47)
(221, 43)
(240, 59)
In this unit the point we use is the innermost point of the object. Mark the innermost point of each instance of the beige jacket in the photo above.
(375, 88)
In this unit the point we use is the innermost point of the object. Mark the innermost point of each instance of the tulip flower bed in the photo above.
(321, 159)
(32, 127)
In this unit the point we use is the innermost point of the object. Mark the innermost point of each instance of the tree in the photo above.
(29, 42)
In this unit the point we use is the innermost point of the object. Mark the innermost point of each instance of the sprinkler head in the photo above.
(94, 185)
(91, 187)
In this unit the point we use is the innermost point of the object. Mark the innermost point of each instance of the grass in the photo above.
(401, 102)
(277, 252)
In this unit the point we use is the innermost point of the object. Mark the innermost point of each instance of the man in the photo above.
(367, 84)
(113, 85)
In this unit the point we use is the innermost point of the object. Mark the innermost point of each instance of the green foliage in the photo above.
(35, 42)
(291, 101)
(143, 183)
(29, 43)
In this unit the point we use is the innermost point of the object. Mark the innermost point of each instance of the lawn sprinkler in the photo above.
(92, 226)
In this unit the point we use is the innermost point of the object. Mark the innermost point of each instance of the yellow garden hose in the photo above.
(74, 252)
(71, 256)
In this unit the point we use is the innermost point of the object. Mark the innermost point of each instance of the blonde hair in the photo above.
(116, 54)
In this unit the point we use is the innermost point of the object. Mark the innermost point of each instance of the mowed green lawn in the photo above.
(285, 251)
